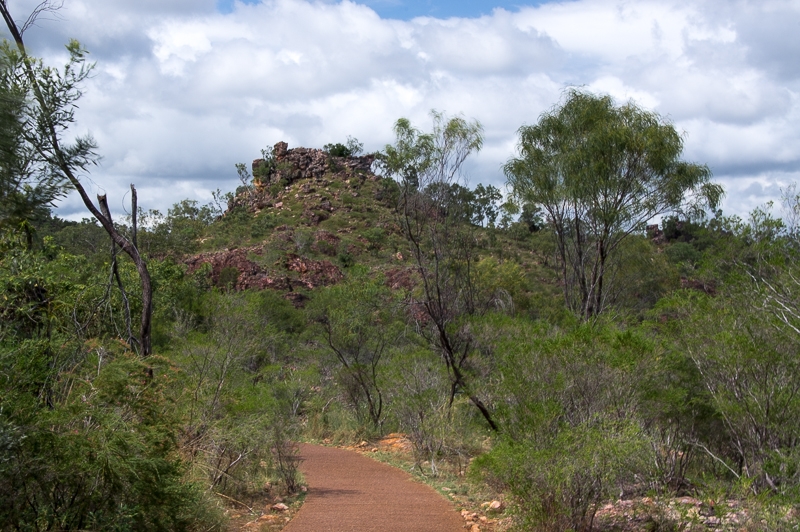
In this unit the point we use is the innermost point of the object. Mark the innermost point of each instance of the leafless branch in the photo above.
(46, 6)
(717, 458)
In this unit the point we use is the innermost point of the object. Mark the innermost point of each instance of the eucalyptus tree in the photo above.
(410, 156)
(48, 102)
(442, 243)
(357, 322)
(26, 190)
(600, 171)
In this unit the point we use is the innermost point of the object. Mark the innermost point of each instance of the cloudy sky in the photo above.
(184, 89)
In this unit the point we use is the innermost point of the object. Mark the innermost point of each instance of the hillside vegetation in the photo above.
(595, 372)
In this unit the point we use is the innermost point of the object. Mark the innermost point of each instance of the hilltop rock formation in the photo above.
(298, 189)
(273, 175)
(288, 165)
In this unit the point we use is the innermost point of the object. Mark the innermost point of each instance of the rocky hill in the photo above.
(306, 217)
(273, 178)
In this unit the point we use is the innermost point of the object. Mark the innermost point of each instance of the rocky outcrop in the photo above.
(292, 165)
(314, 273)
(234, 266)
(237, 269)
(273, 177)
(655, 234)
(400, 278)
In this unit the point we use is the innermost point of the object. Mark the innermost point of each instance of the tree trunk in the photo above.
(61, 163)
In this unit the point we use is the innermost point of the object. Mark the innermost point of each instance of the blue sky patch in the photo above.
(408, 9)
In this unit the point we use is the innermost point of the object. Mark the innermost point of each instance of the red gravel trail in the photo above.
(350, 492)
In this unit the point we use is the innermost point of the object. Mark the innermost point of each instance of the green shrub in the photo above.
(559, 483)
(303, 239)
(346, 259)
(228, 277)
(420, 407)
(376, 237)
(747, 360)
(285, 450)
(103, 457)
(353, 148)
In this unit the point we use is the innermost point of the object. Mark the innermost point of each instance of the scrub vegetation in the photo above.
(545, 344)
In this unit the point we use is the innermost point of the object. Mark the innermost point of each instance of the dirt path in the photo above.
(350, 492)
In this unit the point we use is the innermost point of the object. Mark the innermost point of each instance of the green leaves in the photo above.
(419, 159)
(599, 172)
(353, 148)
(100, 456)
(357, 322)
(409, 157)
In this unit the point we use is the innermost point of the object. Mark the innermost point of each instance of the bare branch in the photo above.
(46, 6)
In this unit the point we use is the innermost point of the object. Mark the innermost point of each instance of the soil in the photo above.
(347, 491)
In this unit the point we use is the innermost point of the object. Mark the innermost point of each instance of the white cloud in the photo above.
(182, 92)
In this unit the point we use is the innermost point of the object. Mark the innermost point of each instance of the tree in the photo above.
(443, 245)
(410, 156)
(26, 191)
(357, 322)
(486, 203)
(48, 111)
(600, 171)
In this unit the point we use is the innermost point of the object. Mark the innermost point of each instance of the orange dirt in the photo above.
(349, 492)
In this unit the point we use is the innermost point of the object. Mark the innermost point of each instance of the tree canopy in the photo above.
(43, 106)
(600, 171)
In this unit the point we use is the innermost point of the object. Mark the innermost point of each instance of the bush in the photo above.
(439, 432)
(88, 432)
(227, 392)
(558, 484)
(353, 148)
(376, 237)
(103, 458)
(346, 259)
(228, 277)
(747, 361)
(387, 192)
(284, 448)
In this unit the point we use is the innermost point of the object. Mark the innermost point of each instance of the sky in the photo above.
(185, 89)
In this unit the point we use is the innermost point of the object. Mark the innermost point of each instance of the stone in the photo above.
(279, 150)
(307, 163)
(280, 507)
(496, 506)
(314, 273)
